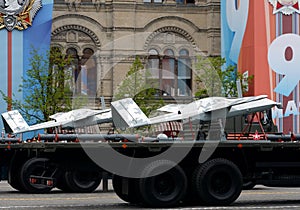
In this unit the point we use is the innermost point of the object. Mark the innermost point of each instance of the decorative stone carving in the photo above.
(170, 29)
(73, 3)
(72, 36)
(78, 28)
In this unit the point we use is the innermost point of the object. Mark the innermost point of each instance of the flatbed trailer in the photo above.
(37, 167)
(209, 167)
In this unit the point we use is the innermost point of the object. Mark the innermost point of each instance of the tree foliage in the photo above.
(207, 77)
(136, 86)
(214, 81)
(45, 87)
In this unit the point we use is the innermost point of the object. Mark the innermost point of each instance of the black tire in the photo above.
(249, 185)
(217, 182)
(191, 197)
(80, 181)
(126, 189)
(61, 183)
(37, 167)
(163, 190)
(14, 181)
(14, 175)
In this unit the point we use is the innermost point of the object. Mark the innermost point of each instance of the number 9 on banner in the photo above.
(289, 67)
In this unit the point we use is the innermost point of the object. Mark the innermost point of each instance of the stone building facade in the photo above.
(104, 36)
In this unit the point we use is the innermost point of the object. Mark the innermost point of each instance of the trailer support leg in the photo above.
(105, 181)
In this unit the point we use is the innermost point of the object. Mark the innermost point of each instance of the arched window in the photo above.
(60, 74)
(184, 73)
(153, 64)
(88, 73)
(72, 52)
(153, 52)
(87, 54)
(84, 71)
(170, 74)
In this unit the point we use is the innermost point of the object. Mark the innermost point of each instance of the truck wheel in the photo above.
(81, 181)
(61, 183)
(14, 175)
(165, 189)
(126, 189)
(218, 182)
(35, 167)
(14, 181)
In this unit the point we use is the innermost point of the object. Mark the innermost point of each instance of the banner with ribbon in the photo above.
(24, 25)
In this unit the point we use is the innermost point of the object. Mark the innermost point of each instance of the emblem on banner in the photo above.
(18, 14)
(286, 7)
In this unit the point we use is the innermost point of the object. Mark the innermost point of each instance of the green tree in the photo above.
(136, 85)
(208, 79)
(46, 86)
(212, 80)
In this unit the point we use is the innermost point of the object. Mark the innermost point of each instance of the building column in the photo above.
(99, 74)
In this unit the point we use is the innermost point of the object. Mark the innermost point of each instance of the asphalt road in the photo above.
(259, 198)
